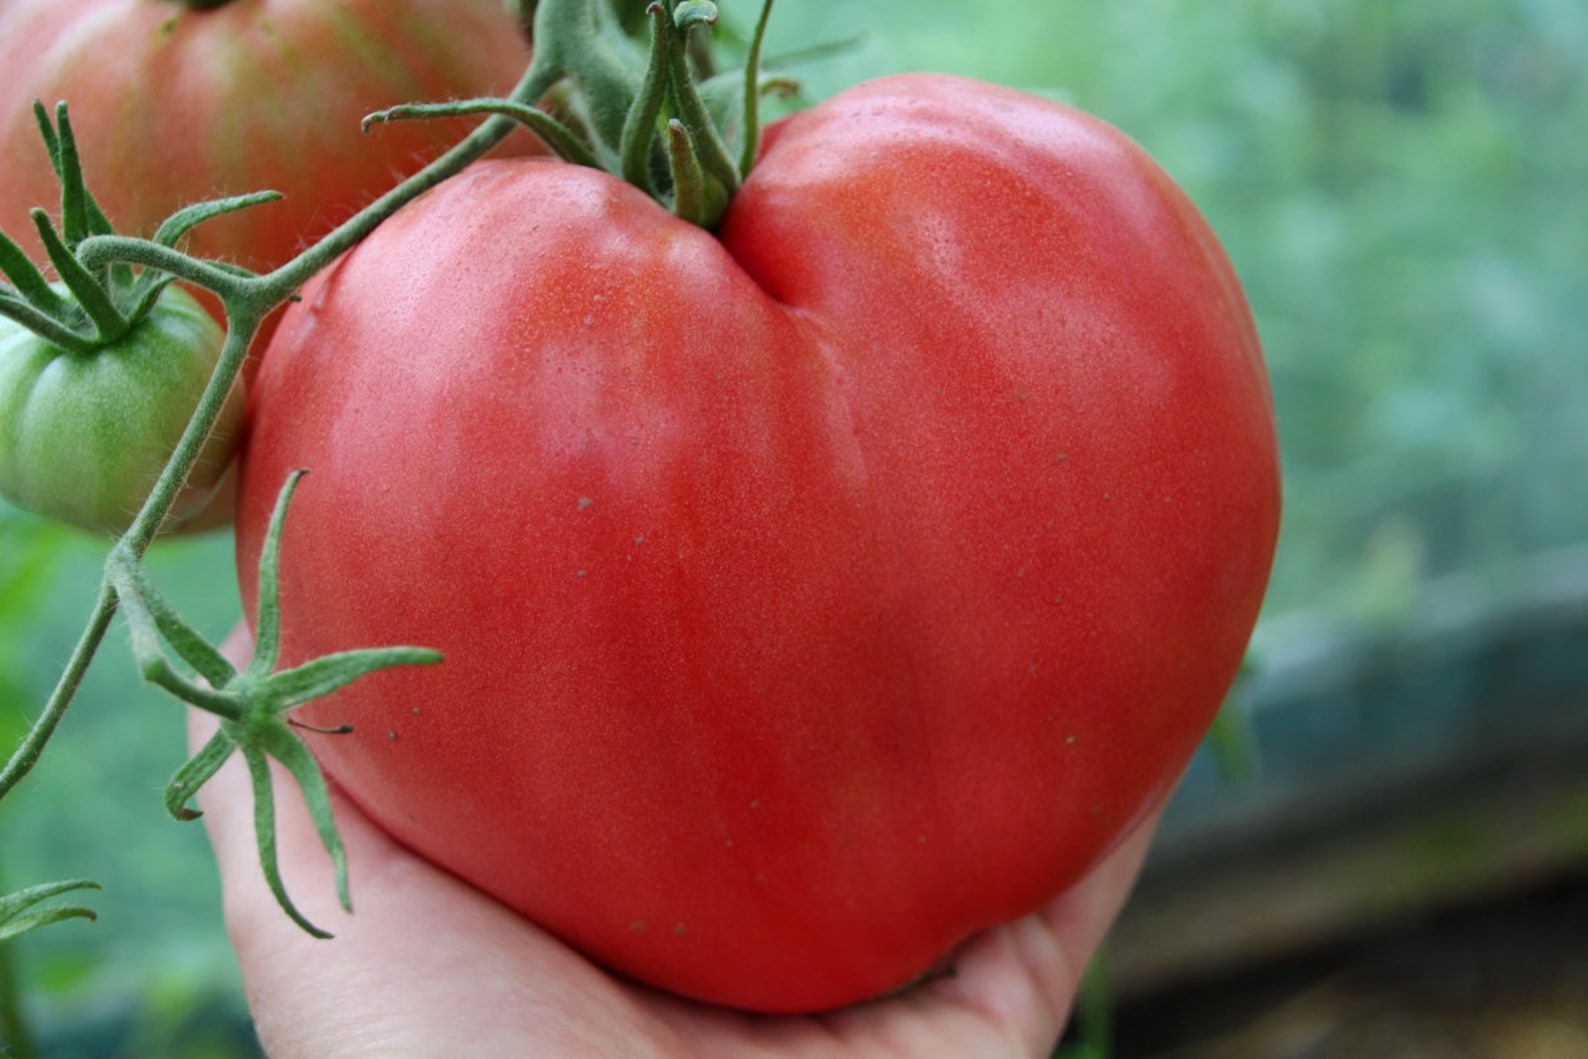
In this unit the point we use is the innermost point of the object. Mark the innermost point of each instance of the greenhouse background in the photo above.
(1397, 866)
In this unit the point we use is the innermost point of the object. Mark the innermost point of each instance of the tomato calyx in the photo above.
(101, 369)
(251, 703)
(98, 306)
(659, 116)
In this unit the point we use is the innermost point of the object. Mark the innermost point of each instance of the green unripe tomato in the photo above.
(84, 436)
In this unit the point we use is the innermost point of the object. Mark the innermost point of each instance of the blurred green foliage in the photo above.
(1401, 187)
(1404, 190)
(155, 964)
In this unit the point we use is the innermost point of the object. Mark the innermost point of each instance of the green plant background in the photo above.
(1402, 188)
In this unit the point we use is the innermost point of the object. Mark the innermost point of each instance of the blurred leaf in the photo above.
(26, 910)
(28, 549)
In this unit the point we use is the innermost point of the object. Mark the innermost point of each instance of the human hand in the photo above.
(430, 966)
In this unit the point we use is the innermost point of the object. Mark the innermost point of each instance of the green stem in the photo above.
(27, 752)
(557, 136)
(752, 92)
(16, 1040)
(639, 130)
(248, 300)
(169, 485)
(280, 284)
(581, 40)
(709, 148)
(230, 286)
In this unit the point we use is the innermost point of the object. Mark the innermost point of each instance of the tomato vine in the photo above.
(637, 101)
(594, 97)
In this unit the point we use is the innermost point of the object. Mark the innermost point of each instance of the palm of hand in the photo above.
(430, 966)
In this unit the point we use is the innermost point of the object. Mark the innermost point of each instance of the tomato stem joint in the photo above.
(655, 114)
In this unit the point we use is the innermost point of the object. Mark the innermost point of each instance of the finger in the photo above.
(1023, 977)
(464, 967)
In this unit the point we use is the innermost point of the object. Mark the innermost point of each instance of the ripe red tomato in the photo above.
(177, 102)
(814, 594)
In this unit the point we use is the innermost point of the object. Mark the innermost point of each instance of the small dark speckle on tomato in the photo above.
(837, 509)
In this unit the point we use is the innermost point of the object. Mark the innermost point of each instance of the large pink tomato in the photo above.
(176, 101)
(814, 593)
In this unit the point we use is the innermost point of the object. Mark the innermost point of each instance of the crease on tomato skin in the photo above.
(923, 393)
(885, 270)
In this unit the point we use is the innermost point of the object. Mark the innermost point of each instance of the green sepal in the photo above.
(81, 216)
(91, 291)
(552, 132)
(31, 285)
(689, 180)
(101, 303)
(326, 674)
(624, 104)
(639, 127)
(714, 159)
(279, 742)
(47, 327)
(252, 704)
(265, 838)
(267, 628)
(187, 218)
(194, 774)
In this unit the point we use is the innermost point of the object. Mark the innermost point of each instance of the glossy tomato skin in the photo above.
(172, 105)
(813, 595)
